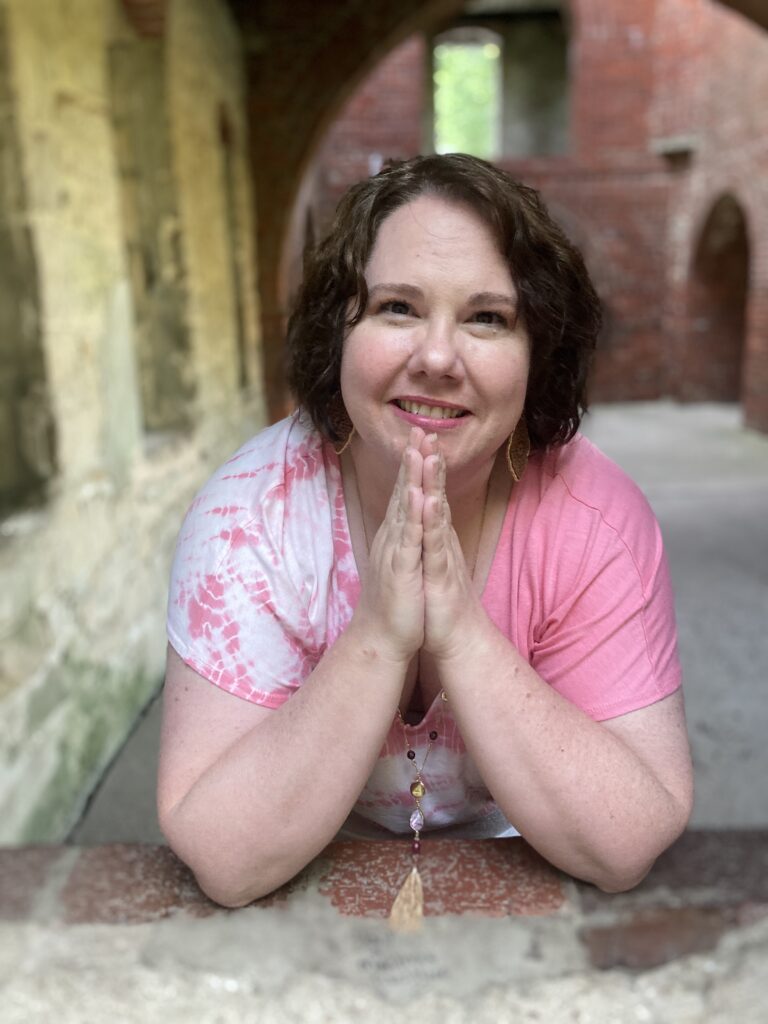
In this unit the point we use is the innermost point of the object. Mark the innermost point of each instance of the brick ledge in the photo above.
(708, 883)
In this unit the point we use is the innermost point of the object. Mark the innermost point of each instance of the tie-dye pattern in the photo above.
(264, 581)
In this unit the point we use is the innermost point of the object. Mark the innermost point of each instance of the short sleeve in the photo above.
(603, 632)
(236, 608)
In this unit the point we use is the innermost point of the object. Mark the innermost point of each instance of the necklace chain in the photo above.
(418, 787)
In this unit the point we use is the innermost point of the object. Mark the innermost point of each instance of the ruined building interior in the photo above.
(164, 164)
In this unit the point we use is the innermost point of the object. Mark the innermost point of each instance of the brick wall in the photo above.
(726, 114)
(304, 61)
(669, 111)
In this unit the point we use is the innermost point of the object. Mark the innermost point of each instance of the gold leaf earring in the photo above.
(518, 450)
(340, 451)
(341, 423)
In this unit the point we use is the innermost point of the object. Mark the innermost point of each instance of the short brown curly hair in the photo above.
(558, 303)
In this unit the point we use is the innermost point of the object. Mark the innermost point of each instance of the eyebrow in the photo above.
(475, 300)
(403, 289)
(493, 299)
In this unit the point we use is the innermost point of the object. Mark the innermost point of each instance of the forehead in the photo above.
(437, 229)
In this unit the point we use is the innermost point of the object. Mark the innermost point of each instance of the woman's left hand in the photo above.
(450, 598)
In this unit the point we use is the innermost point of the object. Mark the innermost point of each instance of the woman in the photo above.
(424, 601)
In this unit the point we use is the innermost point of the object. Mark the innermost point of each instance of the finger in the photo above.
(408, 473)
(415, 438)
(436, 550)
(431, 477)
(408, 552)
(434, 483)
(435, 529)
(430, 445)
(443, 474)
(396, 496)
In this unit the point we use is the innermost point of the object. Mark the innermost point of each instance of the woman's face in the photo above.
(440, 344)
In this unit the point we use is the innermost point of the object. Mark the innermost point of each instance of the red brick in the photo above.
(641, 72)
(494, 878)
(128, 884)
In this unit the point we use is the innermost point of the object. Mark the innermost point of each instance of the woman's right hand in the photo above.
(391, 605)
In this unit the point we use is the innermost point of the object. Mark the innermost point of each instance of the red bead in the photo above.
(433, 735)
(416, 846)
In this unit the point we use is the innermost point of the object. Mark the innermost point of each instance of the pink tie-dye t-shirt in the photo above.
(264, 581)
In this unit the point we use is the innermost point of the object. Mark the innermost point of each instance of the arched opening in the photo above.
(718, 290)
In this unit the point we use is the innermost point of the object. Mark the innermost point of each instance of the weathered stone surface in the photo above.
(23, 874)
(654, 937)
(84, 591)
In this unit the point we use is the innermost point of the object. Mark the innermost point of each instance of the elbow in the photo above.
(627, 872)
(225, 891)
(223, 880)
(620, 882)
(620, 875)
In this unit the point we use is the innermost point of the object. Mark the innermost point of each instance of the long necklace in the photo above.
(408, 908)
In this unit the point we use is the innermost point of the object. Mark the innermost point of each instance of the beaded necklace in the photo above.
(408, 907)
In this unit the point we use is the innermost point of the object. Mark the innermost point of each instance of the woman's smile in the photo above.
(423, 412)
(440, 345)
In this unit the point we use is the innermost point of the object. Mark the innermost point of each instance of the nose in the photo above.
(436, 350)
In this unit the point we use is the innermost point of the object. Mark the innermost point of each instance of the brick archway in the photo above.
(302, 65)
(718, 292)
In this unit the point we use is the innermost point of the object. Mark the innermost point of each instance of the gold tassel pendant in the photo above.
(407, 911)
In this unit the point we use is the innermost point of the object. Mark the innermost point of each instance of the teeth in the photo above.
(434, 412)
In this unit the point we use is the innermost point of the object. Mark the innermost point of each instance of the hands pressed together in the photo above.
(418, 589)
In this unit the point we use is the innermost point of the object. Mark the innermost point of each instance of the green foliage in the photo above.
(467, 81)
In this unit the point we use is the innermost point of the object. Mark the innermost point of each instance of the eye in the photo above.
(491, 318)
(395, 306)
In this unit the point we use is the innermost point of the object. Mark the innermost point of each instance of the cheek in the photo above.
(352, 366)
(358, 376)
(367, 362)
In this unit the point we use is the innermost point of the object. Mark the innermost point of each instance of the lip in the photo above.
(426, 422)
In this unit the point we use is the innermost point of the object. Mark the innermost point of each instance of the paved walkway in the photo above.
(707, 480)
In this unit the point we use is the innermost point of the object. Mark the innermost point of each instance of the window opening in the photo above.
(467, 92)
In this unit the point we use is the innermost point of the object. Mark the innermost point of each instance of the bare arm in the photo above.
(248, 796)
(601, 800)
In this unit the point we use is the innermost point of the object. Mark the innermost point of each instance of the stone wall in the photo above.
(84, 571)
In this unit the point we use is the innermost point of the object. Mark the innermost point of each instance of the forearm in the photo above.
(279, 794)
(572, 788)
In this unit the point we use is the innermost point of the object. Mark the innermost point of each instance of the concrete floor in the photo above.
(707, 480)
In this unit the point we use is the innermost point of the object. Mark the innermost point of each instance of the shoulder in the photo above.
(253, 496)
(581, 501)
(578, 475)
(287, 449)
(242, 608)
(267, 466)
